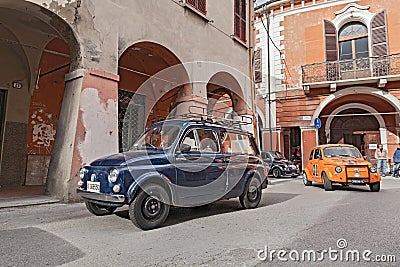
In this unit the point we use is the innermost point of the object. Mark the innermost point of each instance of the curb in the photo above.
(26, 202)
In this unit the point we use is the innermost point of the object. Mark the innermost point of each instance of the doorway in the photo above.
(3, 101)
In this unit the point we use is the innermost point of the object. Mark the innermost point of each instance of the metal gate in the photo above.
(131, 118)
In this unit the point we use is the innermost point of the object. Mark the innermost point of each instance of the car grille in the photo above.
(357, 172)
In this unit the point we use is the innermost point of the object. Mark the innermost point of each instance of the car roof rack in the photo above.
(204, 114)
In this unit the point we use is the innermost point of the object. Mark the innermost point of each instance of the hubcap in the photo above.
(152, 207)
(252, 194)
(276, 173)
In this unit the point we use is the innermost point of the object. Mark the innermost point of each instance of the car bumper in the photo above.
(291, 172)
(102, 199)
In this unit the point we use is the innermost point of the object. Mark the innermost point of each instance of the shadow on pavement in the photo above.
(180, 215)
(355, 188)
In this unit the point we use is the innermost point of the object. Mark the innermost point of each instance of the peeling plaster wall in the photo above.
(97, 124)
(98, 119)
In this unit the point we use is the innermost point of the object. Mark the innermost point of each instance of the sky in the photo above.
(259, 2)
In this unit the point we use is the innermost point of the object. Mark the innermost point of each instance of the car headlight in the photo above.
(338, 169)
(372, 169)
(113, 175)
(83, 172)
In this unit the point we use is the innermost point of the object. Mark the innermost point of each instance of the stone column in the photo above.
(88, 129)
(188, 103)
(61, 158)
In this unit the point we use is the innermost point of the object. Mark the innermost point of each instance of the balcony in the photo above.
(353, 71)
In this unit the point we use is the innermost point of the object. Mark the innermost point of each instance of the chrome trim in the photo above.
(116, 199)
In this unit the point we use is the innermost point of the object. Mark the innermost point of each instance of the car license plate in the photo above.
(357, 181)
(93, 186)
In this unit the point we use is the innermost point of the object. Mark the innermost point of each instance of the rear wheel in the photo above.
(99, 210)
(375, 187)
(305, 180)
(327, 182)
(276, 173)
(252, 194)
(150, 208)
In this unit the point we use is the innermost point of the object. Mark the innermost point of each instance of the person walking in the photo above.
(396, 160)
(381, 155)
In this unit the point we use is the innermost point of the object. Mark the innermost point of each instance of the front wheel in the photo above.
(276, 173)
(252, 194)
(305, 180)
(327, 182)
(375, 187)
(150, 208)
(99, 210)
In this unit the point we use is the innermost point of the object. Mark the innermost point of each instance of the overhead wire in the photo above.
(280, 54)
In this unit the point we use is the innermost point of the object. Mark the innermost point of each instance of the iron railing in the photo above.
(369, 67)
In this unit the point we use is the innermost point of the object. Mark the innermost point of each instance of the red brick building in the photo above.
(337, 61)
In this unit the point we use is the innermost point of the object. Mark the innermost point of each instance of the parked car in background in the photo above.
(175, 163)
(278, 165)
(342, 164)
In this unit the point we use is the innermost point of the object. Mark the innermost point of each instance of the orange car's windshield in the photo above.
(341, 151)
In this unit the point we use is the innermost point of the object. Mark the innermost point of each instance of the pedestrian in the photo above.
(396, 160)
(296, 154)
(296, 157)
(381, 155)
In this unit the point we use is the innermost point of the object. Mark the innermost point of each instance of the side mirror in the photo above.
(184, 148)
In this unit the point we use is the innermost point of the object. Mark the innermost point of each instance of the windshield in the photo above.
(158, 137)
(341, 151)
(277, 155)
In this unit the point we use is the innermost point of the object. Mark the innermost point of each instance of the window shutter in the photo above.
(192, 2)
(258, 66)
(240, 19)
(200, 5)
(379, 35)
(331, 42)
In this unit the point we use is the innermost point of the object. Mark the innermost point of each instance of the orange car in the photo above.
(341, 164)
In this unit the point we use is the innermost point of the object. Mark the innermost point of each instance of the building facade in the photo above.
(70, 69)
(334, 63)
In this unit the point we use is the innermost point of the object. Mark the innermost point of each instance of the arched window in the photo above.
(353, 41)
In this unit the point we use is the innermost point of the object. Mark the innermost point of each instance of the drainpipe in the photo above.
(251, 58)
(269, 83)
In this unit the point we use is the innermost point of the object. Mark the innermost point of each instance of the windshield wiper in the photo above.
(347, 156)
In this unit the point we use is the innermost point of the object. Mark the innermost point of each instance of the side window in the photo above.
(190, 140)
(317, 154)
(311, 155)
(207, 141)
(241, 144)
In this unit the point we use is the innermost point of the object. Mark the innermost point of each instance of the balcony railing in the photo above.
(370, 67)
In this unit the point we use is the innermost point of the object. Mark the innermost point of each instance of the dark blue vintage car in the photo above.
(179, 163)
(278, 165)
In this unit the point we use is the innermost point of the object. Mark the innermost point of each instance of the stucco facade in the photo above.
(322, 69)
(69, 64)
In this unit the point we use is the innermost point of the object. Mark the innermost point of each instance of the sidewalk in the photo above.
(19, 196)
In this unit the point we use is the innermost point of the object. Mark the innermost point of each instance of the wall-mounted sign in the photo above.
(373, 146)
(317, 123)
(17, 85)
